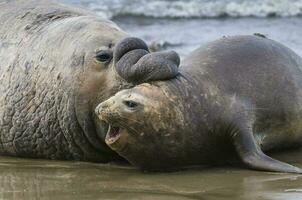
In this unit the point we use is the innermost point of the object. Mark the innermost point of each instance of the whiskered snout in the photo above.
(103, 110)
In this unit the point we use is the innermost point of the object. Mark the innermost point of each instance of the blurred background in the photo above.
(184, 25)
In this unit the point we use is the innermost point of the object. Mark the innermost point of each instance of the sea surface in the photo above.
(181, 25)
(184, 25)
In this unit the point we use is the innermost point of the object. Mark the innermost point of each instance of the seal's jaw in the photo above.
(113, 134)
(117, 138)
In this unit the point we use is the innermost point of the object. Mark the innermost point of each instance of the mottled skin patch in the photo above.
(233, 99)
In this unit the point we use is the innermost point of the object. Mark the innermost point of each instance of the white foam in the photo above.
(194, 8)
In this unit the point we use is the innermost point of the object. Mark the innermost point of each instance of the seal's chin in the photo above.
(113, 134)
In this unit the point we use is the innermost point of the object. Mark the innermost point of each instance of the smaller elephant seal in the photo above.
(234, 100)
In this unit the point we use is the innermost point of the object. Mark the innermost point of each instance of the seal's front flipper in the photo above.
(253, 157)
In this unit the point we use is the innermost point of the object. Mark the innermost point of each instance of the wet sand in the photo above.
(43, 179)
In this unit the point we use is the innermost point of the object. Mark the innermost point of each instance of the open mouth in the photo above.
(113, 134)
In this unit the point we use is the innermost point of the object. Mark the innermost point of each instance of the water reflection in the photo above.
(38, 179)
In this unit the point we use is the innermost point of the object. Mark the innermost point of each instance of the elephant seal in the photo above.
(233, 100)
(56, 64)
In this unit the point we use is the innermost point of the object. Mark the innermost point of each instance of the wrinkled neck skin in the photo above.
(51, 82)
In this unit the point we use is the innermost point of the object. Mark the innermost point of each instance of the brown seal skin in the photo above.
(233, 100)
(56, 64)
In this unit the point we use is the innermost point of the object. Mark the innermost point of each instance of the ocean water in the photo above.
(192, 8)
(184, 25)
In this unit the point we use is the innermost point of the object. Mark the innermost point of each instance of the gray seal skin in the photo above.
(56, 64)
(233, 100)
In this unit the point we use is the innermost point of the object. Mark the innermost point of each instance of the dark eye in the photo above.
(131, 104)
(104, 56)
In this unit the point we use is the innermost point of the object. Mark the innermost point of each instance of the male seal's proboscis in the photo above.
(233, 100)
(56, 64)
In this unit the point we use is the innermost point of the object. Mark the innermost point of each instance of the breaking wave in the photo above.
(193, 8)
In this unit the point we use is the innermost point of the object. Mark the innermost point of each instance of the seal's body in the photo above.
(47, 66)
(263, 76)
(234, 99)
(56, 64)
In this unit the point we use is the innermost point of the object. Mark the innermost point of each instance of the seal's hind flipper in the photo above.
(253, 157)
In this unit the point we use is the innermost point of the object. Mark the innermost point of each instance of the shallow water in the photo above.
(40, 179)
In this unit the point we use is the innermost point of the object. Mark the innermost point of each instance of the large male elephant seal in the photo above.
(56, 64)
(234, 99)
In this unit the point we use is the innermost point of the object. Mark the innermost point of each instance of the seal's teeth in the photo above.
(108, 131)
(113, 134)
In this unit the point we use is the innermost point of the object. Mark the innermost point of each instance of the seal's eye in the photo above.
(104, 56)
(130, 104)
